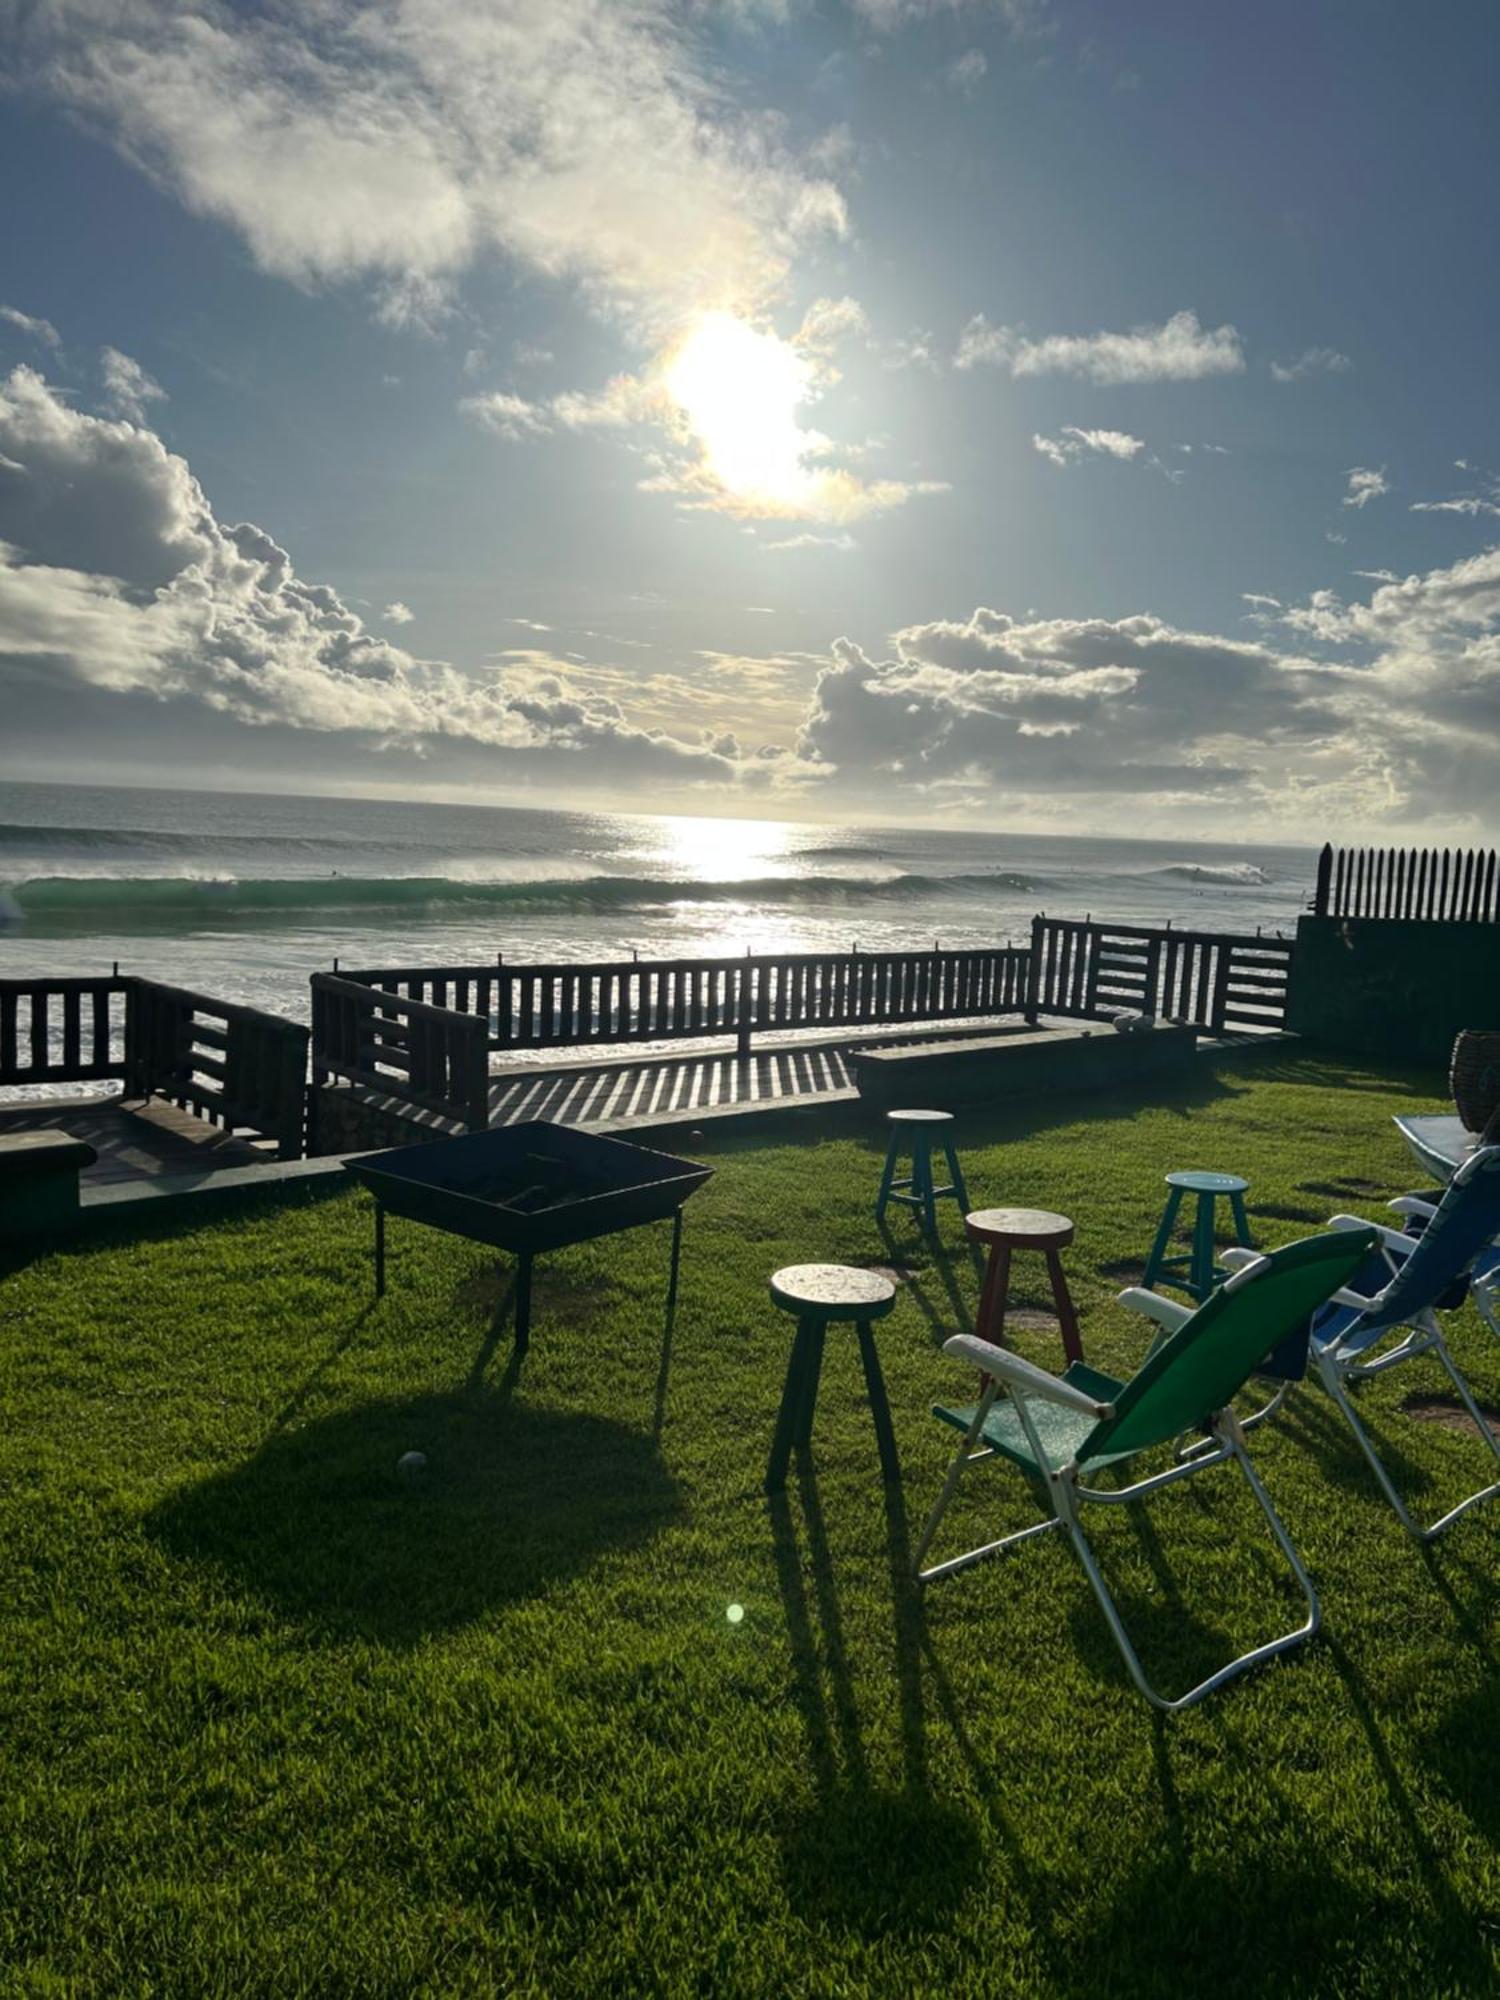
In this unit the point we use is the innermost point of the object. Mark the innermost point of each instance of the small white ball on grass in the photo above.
(412, 1464)
(735, 1614)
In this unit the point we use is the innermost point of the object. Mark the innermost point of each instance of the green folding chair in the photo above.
(1063, 1429)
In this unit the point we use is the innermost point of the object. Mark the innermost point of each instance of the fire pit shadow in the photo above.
(326, 1526)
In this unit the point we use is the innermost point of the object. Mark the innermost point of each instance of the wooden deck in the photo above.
(135, 1141)
(665, 1086)
(670, 1086)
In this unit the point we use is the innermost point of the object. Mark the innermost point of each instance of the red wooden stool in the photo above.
(1009, 1229)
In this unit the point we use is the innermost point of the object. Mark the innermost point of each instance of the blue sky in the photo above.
(1050, 415)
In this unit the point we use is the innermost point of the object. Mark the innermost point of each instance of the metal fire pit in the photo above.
(527, 1188)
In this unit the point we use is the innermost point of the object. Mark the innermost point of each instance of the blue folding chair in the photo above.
(1398, 1291)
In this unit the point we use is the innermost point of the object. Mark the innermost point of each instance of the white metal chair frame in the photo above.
(1067, 1493)
(1424, 1335)
(1484, 1287)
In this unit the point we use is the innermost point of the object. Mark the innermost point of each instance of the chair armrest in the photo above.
(1411, 1204)
(1361, 1301)
(1017, 1373)
(1239, 1257)
(1389, 1239)
(1168, 1313)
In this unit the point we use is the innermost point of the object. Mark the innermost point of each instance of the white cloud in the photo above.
(829, 321)
(624, 400)
(1365, 485)
(843, 543)
(968, 71)
(914, 350)
(506, 414)
(1022, 18)
(1180, 350)
(37, 329)
(397, 613)
(1311, 361)
(117, 578)
(1407, 714)
(127, 386)
(1073, 443)
(400, 143)
(731, 438)
(1467, 504)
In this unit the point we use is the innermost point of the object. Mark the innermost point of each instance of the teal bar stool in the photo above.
(1197, 1272)
(817, 1294)
(918, 1132)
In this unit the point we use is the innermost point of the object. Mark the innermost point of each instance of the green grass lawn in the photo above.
(273, 1720)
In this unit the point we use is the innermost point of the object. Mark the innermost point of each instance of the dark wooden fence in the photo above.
(431, 1057)
(1454, 886)
(234, 1066)
(1212, 980)
(578, 1006)
(62, 1030)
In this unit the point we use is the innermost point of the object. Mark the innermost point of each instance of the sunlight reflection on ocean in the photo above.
(244, 896)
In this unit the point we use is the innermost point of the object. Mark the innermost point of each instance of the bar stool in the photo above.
(920, 1131)
(818, 1294)
(1007, 1230)
(1198, 1271)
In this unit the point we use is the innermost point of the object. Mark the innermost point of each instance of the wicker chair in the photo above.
(1474, 1078)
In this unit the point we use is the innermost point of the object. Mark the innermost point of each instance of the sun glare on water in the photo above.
(740, 390)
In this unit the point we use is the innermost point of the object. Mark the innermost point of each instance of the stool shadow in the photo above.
(868, 1857)
(960, 1315)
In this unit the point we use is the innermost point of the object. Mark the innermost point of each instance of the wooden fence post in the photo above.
(1325, 876)
(744, 1007)
(1031, 1007)
(477, 1055)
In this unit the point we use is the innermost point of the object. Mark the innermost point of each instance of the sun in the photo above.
(740, 390)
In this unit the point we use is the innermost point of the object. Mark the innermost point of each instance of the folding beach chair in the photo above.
(1482, 1279)
(1063, 1429)
(1399, 1293)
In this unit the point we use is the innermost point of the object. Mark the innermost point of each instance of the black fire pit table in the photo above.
(528, 1188)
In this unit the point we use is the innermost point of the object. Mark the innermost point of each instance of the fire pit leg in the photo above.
(523, 1303)
(380, 1250)
(676, 1260)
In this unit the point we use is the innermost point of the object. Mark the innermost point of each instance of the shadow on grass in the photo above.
(991, 1124)
(866, 1857)
(1319, 1426)
(160, 1222)
(1186, 1926)
(926, 1261)
(1463, 1753)
(322, 1525)
(1456, 1942)
(872, 1861)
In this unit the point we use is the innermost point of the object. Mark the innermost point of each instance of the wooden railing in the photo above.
(1207, 979)
(433, 1058)
(233, 1066)
(1454, 887)
(578, 1006)
(62, 1030)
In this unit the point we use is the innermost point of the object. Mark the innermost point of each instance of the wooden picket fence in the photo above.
(1437, 885)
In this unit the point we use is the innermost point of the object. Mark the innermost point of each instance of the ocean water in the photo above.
(243, 896)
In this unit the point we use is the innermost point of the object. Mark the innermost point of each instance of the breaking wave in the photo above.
(1222, 874)
(125, 902)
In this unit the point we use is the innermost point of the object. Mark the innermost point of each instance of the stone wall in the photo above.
(1393, 987)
